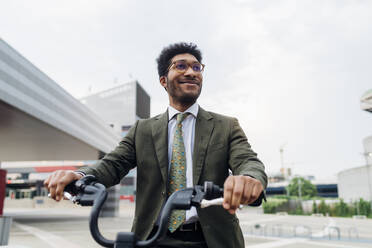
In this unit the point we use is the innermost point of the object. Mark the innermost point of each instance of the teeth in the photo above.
(189, 83)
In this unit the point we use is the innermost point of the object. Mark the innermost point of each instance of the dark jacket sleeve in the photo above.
(243, 160)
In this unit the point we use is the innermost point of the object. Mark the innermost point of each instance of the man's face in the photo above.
(183, 87)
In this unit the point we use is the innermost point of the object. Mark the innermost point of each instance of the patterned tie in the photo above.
(177, 174)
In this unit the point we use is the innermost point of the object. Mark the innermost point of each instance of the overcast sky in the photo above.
(292, 72)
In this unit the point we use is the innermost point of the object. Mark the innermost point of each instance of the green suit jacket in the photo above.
(220, 145)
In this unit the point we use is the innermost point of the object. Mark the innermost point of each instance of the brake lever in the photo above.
(67, 196)
(207, 196)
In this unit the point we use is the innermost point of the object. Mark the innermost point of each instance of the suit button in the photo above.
(163, 193)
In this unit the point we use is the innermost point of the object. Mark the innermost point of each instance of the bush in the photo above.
(341, 209)
(272, 205)
(323, 208)
(315, 208)
(363, 207)
(281, 197)
(297, 211)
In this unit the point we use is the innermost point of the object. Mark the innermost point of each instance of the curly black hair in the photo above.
(172, 50)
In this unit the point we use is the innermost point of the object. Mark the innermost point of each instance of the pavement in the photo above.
(68, 227)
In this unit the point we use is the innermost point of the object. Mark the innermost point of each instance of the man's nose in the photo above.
(190, 72)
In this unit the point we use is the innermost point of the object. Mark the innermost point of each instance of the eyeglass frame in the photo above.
(188, 66)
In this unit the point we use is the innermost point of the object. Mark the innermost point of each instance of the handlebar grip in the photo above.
(71, 188)
(77, 186)
(212, 191)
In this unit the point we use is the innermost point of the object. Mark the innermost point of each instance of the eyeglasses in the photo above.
(182, 66)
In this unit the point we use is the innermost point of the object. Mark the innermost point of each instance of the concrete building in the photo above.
(356, 183)
(39, 120)
(120, 106)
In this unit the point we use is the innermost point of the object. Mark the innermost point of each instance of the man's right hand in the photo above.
(57, 182)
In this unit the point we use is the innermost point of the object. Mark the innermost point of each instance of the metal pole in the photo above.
(367, 154)
(281, 150)
(299, 188)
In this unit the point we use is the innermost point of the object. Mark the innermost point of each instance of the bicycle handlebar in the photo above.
(88, 192)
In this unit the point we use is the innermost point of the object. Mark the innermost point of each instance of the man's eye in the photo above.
(181, 66)
(196, 67)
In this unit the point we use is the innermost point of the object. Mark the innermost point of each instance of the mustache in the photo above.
(192, 81)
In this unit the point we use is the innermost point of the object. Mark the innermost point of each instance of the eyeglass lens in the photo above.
(183, 66)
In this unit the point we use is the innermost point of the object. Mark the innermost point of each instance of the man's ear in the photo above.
(163, 81)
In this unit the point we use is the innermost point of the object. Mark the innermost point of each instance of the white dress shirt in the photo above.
(188, 131)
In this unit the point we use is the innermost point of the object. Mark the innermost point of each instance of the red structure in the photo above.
(127, 197)
(2, 189)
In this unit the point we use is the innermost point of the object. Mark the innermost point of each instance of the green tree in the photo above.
(301, 187)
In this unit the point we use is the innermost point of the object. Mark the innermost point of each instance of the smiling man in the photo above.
(183, 85)
(182, 147)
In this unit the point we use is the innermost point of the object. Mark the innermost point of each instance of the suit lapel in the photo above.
(160, 138)
(203, 129)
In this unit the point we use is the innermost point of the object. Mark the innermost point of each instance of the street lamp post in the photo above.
(367, 155)
(299, 188)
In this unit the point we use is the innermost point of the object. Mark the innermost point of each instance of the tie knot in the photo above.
(181, 117)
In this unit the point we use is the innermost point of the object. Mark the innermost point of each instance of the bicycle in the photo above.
(88, 192)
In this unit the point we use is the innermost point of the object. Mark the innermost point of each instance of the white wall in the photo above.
(355, 183)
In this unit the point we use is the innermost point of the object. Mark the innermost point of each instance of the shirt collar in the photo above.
(193, 110)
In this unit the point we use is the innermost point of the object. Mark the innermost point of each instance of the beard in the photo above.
(184, 97)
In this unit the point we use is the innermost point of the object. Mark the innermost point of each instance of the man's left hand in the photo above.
(240, 190)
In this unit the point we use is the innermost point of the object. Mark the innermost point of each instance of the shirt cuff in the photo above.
(80, 173)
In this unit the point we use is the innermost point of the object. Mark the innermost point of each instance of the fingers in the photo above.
(240, 190)
(61, 184)
(57, 182)
(256, 192)
(233, 191)
(237, 192)
(247, 194)
(50, 185)
(227, 192)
